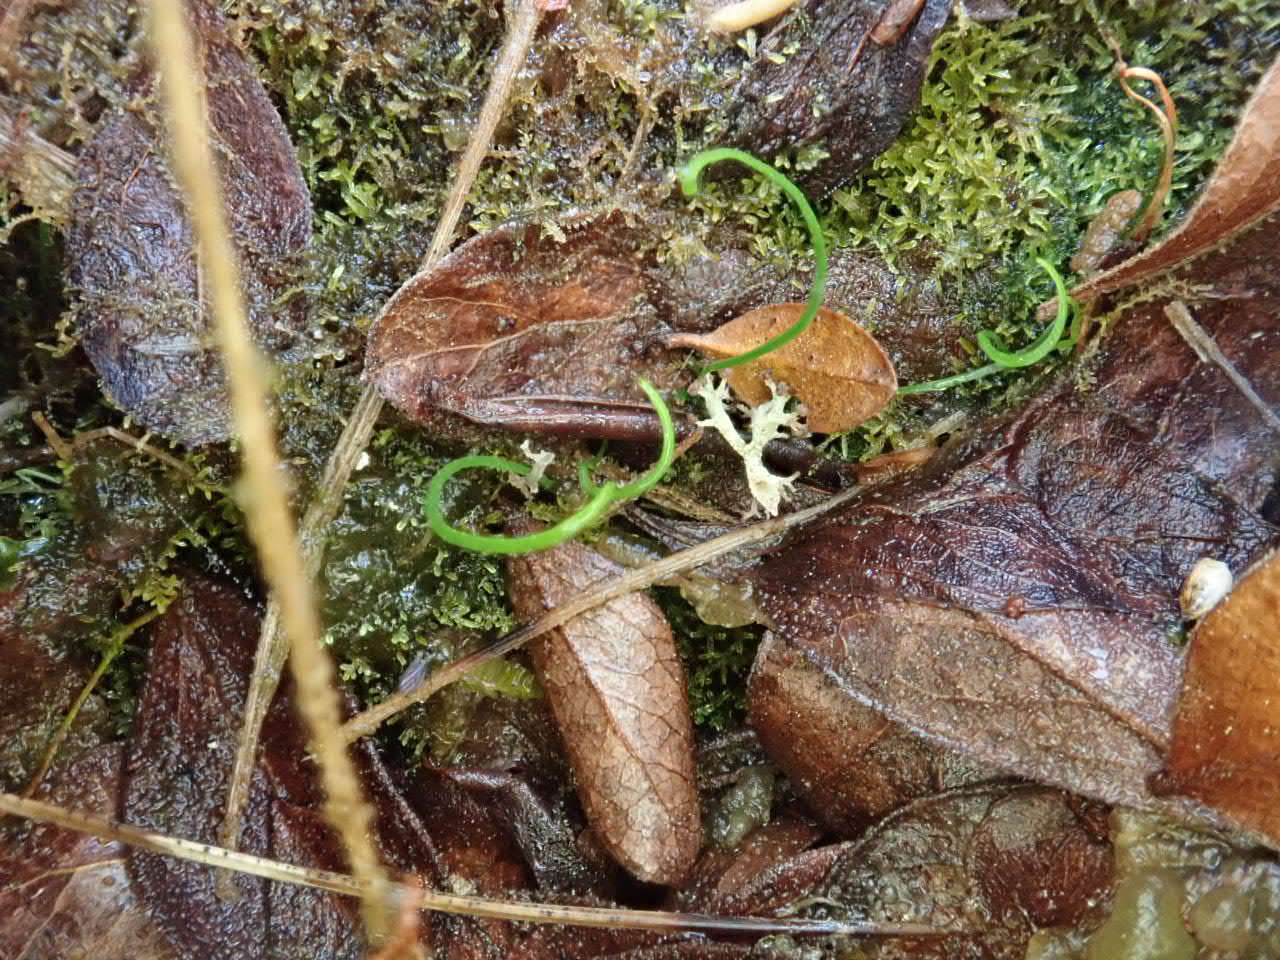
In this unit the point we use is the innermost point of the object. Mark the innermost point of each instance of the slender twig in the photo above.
(1208, 351)
(267, 512)
(115, 646)
(515, 910)
(363, 724)
(269, 660)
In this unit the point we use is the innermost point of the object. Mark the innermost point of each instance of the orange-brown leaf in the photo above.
(617, 689)
(1226, 733)
(835, 368)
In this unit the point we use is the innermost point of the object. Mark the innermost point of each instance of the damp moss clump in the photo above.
(717, 662)
(392, 589)
(1022, 132)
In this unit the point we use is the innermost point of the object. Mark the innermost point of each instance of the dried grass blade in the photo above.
(266, 505)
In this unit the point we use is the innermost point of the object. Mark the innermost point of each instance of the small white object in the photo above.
(1208, 582)
(362, 461)
(541, 459)
(769, 421)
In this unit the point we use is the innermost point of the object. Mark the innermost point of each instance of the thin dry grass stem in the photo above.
(366, 722)
(1167, 118)
(64, 450)
(271, 652)
(1208, 351)
(523, 23)
(266, 502)
(519, 911)
(116, 645)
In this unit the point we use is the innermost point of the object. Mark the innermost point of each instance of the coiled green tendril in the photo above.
(689, 184)
(600, 496)
(1004, 359)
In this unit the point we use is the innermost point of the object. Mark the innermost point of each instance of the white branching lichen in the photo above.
(769, 421)
(541, 459)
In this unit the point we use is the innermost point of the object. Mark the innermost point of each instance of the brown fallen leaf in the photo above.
(1244, 188)
(835, 368)
(833, 87)
(996, 863)
(139, 312)
(774, 867)
(617, 688)
(1016, 596)
(848, 762)
(530, 330)
(1226, 733)
(178, 760)
(65, 894)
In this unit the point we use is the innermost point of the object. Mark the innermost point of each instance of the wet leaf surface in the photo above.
(1016, 597)
(835, 368)
(64, 894)
(848, 762)
(130, 247)
(178, 761)
(124, 511)
(997, 863)
(617, 688)
(530, 327)
(839, 88)
(1225, 738)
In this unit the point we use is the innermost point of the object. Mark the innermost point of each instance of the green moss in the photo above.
(392, 589)
(717, 661)
(1022, 132)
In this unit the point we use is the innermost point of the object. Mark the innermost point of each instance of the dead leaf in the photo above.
(1244, 188)
(997, 863)
(530, 328)
(1016, 596)
(835, 368)
(848, 762)
(833, 87)
(179, 759)
(617, 688)
(65, 894)
(1225, 735)
(124, 512)
(772, 868)
(139, 312)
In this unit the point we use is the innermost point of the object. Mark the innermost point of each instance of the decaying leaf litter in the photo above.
(1262, 883)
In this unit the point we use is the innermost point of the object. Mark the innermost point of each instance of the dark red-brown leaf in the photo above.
(65, 894)
(997, 863)
(1016, 597)
(528, 329)
(848, 762)
(179, 758)
(129, 245)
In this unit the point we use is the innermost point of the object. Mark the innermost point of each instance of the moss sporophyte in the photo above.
(599, 498)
